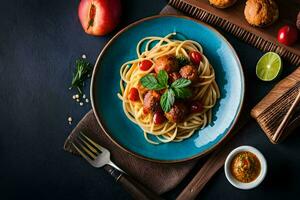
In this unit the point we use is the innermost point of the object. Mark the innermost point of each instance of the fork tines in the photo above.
(86, 147)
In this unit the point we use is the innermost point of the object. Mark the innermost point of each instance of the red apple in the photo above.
(99, 17)
(287, 35)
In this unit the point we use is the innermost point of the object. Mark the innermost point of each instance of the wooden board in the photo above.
(232, 20)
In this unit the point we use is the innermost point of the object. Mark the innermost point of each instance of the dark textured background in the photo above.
(39, 41)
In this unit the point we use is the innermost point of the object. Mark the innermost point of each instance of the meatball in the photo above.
(222, 3)
(189, 72)
(261, 12)
(177, 113)
(151, 101)
(168, 63)
(174, 76)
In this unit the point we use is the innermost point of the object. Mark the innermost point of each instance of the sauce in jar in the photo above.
(245, 167)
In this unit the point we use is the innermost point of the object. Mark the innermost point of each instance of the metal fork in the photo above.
(99, 156)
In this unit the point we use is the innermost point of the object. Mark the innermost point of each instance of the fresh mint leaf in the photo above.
(181, 83)
(167, 100)
(182, 93)
(150, 82)
(162, 78)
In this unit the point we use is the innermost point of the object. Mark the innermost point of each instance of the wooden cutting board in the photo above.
(232, 20)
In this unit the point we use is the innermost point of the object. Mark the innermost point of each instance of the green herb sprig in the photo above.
(83, 70)
(182, 60)
(178, 89)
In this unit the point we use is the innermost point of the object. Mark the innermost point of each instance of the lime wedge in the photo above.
(269, 66)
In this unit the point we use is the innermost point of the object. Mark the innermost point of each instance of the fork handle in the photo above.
(136, 190)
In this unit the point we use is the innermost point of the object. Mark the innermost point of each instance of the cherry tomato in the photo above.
(159, 118)
(145, 65)
(196, 107)
(287, 35)
(195, 57)
(133, 94)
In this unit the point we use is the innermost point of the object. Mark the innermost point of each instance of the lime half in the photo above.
(268, 67)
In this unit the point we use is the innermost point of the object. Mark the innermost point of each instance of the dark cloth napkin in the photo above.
(157, 176)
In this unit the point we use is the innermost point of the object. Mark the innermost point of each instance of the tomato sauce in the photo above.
(245, 167)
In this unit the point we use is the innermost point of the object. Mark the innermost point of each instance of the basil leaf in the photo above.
(150, 82)
(164, 103)
(182, 93)
(180, 83)
(167, 100)
(162, 78)
(171, 96)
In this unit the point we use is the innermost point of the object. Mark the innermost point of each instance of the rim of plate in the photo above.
(98, 115)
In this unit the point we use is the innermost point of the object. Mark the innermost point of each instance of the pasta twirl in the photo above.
(206, 90)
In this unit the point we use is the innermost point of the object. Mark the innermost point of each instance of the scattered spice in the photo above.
(83, 70)
(70, 120)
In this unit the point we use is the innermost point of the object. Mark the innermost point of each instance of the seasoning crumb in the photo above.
(77, 100)
(83, 96)
(74, 97)
(70, 120)
(83, 56)
(86, 100)
(81, 103)
(77, 96)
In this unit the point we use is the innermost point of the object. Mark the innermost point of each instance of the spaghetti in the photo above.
(205, 90)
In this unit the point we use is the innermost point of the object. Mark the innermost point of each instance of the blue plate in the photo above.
(105, 86)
